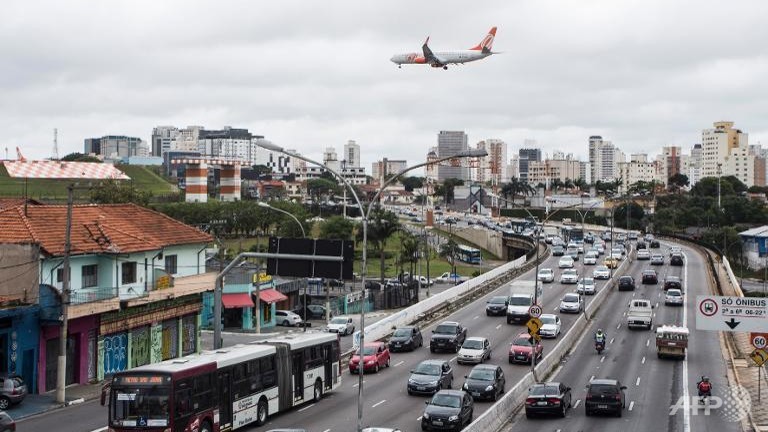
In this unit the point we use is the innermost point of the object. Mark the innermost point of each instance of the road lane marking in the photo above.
(399, 363)
(631, 405)
(419, 419)
(612, 339)
(476, 317)
(686, 398)
(657, 304)
(593, 377)
(357, 384)
(498, 326)
(576, 404)
(378, 403)
(637, 383)
(643, 360)
(618, 326)
(100, 429)
(306, 407)
(647, 342)
(602, 359)
(555, 309)
(453, 359)
(327, 430)
(633, 294)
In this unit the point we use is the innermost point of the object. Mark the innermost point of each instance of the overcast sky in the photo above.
(312, 74)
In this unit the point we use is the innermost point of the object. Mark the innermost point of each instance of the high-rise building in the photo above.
(553, 169)
(604, 158)
(116, 146)
(163, 138)
(527, 155)
(585, 172)
(450, 143)
(639, 169)
(352, 154)
(492, 168)
(725, 151)
(513, 168)
(331, 159)
(92, 146)
(228, 143)
(672, 161)
(385, 167)
(430, 171)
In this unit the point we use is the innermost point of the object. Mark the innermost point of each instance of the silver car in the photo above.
(601, 272)
(586, 286)
(572, 303)
(569, 276)
(674, 296)
(546, 275)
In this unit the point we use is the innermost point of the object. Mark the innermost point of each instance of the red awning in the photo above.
(271, 296)
(239, 300)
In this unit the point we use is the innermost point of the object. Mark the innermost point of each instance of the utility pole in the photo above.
(61, 366)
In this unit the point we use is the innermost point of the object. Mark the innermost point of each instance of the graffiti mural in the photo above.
(140, 347)
(115, 353)
(189, 334)
(156, 351)
(170, 339)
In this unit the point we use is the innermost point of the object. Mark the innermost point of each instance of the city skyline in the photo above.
(657, 80)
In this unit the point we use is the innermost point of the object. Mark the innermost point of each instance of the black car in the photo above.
(313, 311)
(676, 260)
(448, 336)
(448, 410)
(605, 395)
(673, 282)
(655, 244)
(485, 381)
(406, 338)
(626, 283)
(497, 305)
(430, 376)
(641, 245)
(548, 398)
(650, 277)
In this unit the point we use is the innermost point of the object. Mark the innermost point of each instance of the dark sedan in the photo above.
(605, 395)
(548, 398)
(406, 338)
(448, 410)
(626, 283)
(676, 260)
(497, 305)
(673, 282)
(430, 376)
(650, 277)
(485, 381)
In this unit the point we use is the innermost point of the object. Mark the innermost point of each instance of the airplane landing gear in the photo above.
(445, 67)
(399, 66)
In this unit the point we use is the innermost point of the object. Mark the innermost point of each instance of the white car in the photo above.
(569, 276)
(590, 258)
(601, 272)
(550, 326)
(287, 318)
(674, 296)
(617, 253)
(600, 248)
(657, 259)
(572, 303)
(565, 262)
(675, 250)
(643, 254)
(341, 325)
(586, 286)
(546, 275)
(474, 350)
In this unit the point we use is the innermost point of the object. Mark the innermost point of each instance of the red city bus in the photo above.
(225, 389)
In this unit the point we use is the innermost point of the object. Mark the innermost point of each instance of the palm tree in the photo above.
(449, 250)
(381, 226)
(409, 251)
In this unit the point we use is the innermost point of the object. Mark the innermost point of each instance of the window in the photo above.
(170, 264)
(60, 275)
(128, 272)
(90, 276)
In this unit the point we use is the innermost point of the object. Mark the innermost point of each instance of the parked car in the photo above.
(375, 357)
(448, 336)
(287, 318)
(406, 338)
(601, 272)
(474, 350)
(673, 282)
(497, 305)
(7, 424)
(430, 376)
(13, 390)
(650, 277)
(572, 302)
(550, 326)
(626, 283)
(548, 398)
(485, 381)
(546, 275)
(448, 410)
(569, 276)
(521, 349)
(341, 325)
(313, 311)
(605, 395)
(586, 286)
(676, 260)
(657, 259)
(674, 297)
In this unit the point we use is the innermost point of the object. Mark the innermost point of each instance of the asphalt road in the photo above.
(654, 385)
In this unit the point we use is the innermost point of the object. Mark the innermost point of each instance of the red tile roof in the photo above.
(114, 228)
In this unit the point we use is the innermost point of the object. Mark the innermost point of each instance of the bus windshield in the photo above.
(140, 406)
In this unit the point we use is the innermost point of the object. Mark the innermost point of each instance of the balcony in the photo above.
(181, 286)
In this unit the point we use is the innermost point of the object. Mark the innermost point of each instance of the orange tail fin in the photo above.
(486, 44)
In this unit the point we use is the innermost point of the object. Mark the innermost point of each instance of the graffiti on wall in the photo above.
(189, 334)
(170, 339)
(157, 342)
(115, 353)
(140, 347)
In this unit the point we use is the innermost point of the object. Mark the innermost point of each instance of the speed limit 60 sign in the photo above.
(759, 340)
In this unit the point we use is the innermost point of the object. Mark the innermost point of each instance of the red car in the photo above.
(521, 348)
(375, 357)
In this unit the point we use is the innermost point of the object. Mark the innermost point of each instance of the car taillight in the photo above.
(530, 401)
(617, 397)
(15, 391)
(554, 401)
(589, 396)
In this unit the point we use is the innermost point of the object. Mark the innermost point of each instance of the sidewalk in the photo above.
(35, 404)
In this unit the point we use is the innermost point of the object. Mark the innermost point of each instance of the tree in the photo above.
(409, 251)
(337, 227)
(117, 192)
(261, 170)
(79, 157)
(450, 250)
(677, 183)
(448, 186)
(382, 224)
(411, 183)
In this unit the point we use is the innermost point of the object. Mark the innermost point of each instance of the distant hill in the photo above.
(142, 177)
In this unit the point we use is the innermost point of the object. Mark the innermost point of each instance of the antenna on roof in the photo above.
(55, 144)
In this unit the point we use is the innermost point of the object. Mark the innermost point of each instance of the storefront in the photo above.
(81, 352)
(19, 339)
(148, 334)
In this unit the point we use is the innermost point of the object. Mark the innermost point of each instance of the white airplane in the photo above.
(443, 59)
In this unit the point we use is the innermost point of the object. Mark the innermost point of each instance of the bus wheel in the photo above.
(261, 413)
(318, 391)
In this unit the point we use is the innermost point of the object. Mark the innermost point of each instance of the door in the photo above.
(225, 400)
(327, 365)
(297, 370)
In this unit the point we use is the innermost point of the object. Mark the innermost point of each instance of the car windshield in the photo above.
(339, 321)
(520, 301)
(673, 293)
(522, 341)
(547, 319)
(603, 389)
(141, 406)
(498, 300)
(601, 268)
(571, 298)
(544, 390)
(367, 351)
(482, 374)
(587, 281)
(444, 400)
(570, 272)
(427, 369)
(403, 332)
(473, 344)
(446, 329)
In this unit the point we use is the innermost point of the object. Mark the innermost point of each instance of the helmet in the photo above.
(704, 378)
(599, 330)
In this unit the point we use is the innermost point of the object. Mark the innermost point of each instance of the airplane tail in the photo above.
(486, 44)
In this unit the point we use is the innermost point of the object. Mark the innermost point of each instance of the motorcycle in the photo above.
(704, 396)
(600, 346)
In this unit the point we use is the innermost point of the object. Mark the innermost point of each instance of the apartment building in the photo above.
(450, 143)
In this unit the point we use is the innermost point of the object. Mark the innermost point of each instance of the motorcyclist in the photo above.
(600, 336)
(705, 388)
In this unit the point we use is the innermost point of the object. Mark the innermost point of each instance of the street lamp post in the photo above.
(364, 214)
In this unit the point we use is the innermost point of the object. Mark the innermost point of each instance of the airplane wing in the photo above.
(429, 56)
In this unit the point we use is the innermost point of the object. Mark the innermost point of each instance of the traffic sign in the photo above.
(759, 356)
(759, 340)
(535, 311)
(732, 314)
(534, 324)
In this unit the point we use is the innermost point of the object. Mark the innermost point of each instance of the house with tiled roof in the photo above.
(136, 283)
